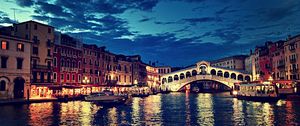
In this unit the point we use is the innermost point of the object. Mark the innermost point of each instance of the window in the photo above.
(79, 78)
(35, 50)
(4, 45)
(68, 76)
(49, 30)
(4, 62)
(19, 63)
(26, 26)
(49, 64)
(61, 77)
(79, 65)
(35, 26)
(73, 77)
(54, 62)
(49, 77)
(49, 52)
(34, 63)
(54, 76)
(20, 47)
(2, 85)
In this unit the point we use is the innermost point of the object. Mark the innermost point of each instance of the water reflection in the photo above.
(162, 109)
(205, 109)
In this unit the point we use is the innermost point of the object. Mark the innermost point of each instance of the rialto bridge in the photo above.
(176, 80)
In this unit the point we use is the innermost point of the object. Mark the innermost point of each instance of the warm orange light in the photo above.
(3, 45)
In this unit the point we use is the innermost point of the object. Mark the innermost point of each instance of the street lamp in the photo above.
(86, 80)
(135, 82)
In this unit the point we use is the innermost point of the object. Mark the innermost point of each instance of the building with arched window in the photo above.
(14, 67)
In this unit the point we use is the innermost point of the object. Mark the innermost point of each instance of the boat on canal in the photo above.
(106, 97)
(256, 92)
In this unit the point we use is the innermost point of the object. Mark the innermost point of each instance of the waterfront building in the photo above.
(236, 62)
(124, 71)
(263, 62)
(14, 67)
(111, 64)
(42, 37)
(67, 60)
(139, 72)
(152, 77)
(292, 60)
(163, 70)
(250, 65)
(93, 67)
(278, 60)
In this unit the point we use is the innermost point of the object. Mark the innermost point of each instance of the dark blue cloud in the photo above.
(194, 21)
(4, 18)
(25, 3)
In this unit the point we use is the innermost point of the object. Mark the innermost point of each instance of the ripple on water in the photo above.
(161, 109)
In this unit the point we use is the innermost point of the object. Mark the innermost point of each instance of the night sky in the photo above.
(172, 32)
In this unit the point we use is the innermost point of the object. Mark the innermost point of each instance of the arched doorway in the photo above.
(188, 74)
(164, 80)
(194, 73)
(247, 78)
(170, 79)
(181, 76)
(202, 70)
(176, 78)
(220, 73)
(240, 77)
(213, 72)
(233, 76)
(226, 74)
(19, 87)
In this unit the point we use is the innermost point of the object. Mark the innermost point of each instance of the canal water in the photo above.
(161, 109)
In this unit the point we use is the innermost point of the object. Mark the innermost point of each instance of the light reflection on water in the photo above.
(161, 109)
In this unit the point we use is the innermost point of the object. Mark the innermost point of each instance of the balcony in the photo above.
(295, 70)
(45, 67)
(35, 41)
(281, 66)
(69, 69)
(42, 81)
(293, 60)
(111, 82)
(292, 49)
(49, 44)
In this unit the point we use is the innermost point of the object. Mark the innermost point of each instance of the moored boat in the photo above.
(106, 97)
(256, 92)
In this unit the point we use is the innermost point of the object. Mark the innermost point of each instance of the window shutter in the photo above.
(7, 45)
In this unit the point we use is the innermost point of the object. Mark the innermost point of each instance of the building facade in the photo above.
(233, 62)
(14, 67)
(124, 71)
(250, 65)
(292, 60)
(93, 65)
(278, 60)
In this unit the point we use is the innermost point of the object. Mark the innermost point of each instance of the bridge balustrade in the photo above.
(178, 84)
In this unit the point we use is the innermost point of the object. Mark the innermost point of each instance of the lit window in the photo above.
(20, 47)
(4, 45)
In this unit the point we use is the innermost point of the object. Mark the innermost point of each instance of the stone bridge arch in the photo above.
(203, 68)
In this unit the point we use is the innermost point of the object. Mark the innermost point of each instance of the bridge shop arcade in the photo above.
(205, 86)
(203, 77)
